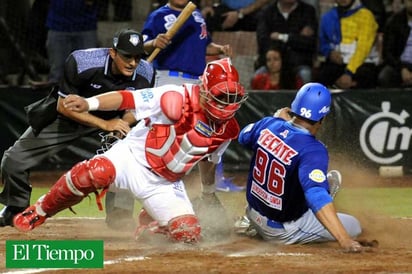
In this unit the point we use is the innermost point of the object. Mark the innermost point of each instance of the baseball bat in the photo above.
(181, 19)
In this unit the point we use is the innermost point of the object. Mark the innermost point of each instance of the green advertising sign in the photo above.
(54, 254)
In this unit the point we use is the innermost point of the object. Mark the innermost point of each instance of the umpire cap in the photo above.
(129, 42)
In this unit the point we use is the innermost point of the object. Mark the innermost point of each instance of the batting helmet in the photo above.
(312, 102)
(222, 90)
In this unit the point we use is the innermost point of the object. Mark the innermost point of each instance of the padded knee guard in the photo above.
(84, 178)
(185, 228)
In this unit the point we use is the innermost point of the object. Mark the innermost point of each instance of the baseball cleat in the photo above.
(335, 182)
(243, 227)
(226, 185)
(30, 218)
(223, 183)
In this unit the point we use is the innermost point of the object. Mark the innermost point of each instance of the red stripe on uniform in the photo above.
(128, 100)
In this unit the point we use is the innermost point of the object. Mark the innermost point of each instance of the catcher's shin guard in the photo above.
(84, 178)
(185, 228)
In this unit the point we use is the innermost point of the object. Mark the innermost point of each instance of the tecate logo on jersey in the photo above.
(276, 147)
(384, 137)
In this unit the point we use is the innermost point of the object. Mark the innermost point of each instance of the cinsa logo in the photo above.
(317, 176)
(385, 137)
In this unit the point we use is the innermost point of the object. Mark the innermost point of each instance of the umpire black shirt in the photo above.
(87, 73)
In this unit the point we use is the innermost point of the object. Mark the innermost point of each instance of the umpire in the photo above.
(87, 73)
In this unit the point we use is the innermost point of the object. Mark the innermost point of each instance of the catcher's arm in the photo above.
(75, 108)
(212, 215)
(207, 176)
(111, 100)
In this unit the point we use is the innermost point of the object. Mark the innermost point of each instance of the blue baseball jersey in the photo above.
(187, 51)
(72, 16)
(238, 4)
(288, 169)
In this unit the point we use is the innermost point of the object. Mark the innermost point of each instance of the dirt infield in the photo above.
(236, 254)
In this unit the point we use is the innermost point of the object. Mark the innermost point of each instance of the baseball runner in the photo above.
(182, 58)
(87, 73)
(181, 126)
(288, 198)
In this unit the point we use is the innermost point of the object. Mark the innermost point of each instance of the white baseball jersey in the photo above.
(177, 146)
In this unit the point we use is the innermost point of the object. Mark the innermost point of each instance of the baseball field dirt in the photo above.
(236, 254)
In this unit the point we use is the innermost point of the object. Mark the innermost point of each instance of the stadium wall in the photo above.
(372, 127)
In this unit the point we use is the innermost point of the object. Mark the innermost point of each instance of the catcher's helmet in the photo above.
(312, 102)
(222, 90)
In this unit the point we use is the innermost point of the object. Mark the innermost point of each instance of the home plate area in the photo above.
(232, 254)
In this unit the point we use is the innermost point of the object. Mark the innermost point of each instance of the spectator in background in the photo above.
(122, 10)
(232, 15)
(274, 76)
(315, 4)
(15, 54)
(158, 3)
(291, 25)
(37, 35)
(182, 59)
(72, 25)
(394, 7)
(377, 7)
(347, 41)
(397, 50)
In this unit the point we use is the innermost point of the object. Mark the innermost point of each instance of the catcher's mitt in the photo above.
(213, 218)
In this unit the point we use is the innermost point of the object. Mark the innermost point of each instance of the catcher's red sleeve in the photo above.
(128, 100)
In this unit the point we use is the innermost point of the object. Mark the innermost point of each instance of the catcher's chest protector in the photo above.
(172, 150)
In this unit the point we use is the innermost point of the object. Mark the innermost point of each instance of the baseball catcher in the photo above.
(180, 127)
